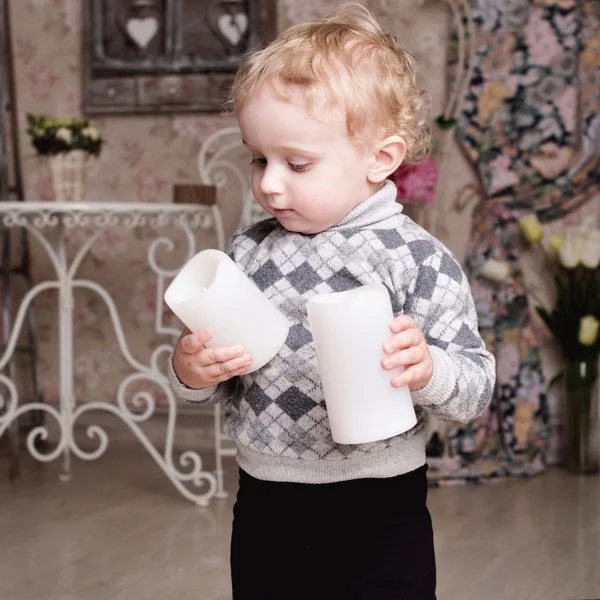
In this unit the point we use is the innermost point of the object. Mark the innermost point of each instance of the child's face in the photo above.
(306, 171)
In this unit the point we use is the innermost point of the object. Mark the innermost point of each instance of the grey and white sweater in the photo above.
(277, 415)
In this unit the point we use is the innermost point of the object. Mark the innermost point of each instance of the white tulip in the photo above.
(496, 270)
(64, 134)
(590, 250)
(569, 253)
(588, 223)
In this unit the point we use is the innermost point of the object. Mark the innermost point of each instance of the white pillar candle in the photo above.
(349, 330)
(211, 292)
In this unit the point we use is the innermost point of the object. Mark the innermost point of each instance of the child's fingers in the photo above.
(405, 339)
(410, 356)
(402, 322)
(211, 356)
(221, 371)
(193, 342)
(409, 376)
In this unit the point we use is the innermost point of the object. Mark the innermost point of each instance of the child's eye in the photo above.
(261, 162)
(298, 168)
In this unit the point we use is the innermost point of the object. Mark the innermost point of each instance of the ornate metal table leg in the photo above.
(65, 326)
(140, 406)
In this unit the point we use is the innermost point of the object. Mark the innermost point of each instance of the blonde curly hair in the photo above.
(347, 59)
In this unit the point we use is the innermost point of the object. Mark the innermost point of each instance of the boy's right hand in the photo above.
(200, 367)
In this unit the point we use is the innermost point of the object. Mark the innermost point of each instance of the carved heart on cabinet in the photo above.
(233, 27)
(229, 22)
(141, 31)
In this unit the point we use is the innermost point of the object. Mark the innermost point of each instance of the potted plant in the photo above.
(574, 321)
(67, 143)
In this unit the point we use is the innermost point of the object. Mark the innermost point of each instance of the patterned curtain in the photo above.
(531, 126)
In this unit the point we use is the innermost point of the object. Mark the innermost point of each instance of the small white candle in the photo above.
(211, 292)
(349, 330)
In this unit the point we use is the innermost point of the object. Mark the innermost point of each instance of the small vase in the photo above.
(580, 417)
(68, 175)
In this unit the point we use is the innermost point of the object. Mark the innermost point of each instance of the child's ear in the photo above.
(388, 156)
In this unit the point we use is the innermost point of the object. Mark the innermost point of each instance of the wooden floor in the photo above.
(119, 531)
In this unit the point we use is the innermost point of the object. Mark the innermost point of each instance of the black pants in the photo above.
(368, 539)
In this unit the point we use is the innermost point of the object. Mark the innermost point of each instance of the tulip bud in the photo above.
(588, 330)
(496, 270)
(531, 228)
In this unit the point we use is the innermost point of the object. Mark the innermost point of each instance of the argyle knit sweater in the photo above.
(277, 415)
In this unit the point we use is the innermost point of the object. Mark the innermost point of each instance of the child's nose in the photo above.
(271, 183)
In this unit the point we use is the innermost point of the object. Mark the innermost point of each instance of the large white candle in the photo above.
(211, 292)
(349, 330)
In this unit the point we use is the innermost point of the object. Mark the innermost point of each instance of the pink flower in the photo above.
(148, 185)
(416, 183)
(541, 39)
(84, 314)
(502, 176)
(500, 210)
(25, 50)
(91, 368)
(111, 242)
(41, 81)
(72, 13)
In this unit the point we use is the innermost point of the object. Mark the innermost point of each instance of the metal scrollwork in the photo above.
(187, 473)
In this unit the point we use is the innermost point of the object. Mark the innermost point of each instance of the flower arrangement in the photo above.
(57, 136)
(416, 183)
(573, 259)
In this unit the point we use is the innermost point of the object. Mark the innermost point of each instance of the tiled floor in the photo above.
(118, 530)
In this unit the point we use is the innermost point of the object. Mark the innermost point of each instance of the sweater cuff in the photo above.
(443, 382)
(185, 392)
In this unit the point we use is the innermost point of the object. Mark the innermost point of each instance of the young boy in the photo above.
(328, 111)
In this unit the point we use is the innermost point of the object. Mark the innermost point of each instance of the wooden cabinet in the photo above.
(168, 55)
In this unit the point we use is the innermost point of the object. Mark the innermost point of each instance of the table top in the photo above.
(72, 207)
(102, 214)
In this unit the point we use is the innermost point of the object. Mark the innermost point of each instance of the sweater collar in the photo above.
(380, 206)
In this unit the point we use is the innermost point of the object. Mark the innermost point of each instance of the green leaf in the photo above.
(556, 379)
(546, 317)
(445, 123)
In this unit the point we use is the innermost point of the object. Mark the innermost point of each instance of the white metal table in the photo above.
(40, 218)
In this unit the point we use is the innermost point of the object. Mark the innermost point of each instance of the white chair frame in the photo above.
(215, 168)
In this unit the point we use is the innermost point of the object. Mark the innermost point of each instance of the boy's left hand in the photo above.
(408, 348)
